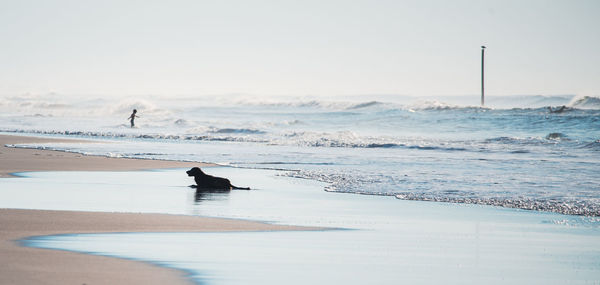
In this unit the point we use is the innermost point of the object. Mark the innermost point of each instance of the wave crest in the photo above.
(434, 105)
(585, 102)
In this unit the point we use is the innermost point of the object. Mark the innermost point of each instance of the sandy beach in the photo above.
(21, 265)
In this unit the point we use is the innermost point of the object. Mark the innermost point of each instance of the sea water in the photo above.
(371, 239)
(518, 151)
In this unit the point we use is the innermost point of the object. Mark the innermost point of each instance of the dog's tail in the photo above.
(240, 188)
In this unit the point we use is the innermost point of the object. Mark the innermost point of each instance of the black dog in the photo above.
(204, 181)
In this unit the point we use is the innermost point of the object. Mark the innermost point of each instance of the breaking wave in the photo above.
(585, 102)
(237, 131)
(441, 106)
(343, 139)
(364, 105)
(139, 136)
(551, 138)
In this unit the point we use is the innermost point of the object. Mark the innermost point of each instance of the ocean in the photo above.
(521, 152)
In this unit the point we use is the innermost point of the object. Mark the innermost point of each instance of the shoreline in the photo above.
(26, 265)
(16, 160)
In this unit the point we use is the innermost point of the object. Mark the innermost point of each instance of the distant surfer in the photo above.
(132, 117)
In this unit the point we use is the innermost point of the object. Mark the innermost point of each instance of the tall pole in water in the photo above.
(482, 77)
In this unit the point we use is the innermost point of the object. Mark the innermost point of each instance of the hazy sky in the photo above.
(299, 47)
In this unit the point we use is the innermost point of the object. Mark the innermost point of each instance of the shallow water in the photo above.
(385, 240)
(516, 153)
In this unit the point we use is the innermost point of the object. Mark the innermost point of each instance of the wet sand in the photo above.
(22, 265)
(23, 159)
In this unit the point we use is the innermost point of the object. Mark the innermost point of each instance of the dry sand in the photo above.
(22, 265)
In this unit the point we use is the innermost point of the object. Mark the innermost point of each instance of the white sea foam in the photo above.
(585, 102)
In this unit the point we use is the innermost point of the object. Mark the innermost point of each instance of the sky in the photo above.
(319, 48)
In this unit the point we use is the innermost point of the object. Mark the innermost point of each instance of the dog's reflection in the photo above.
(207, 194)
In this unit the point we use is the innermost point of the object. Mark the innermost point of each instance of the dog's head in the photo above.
(195, 171)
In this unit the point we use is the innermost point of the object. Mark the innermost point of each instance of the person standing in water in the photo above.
(132, 117)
